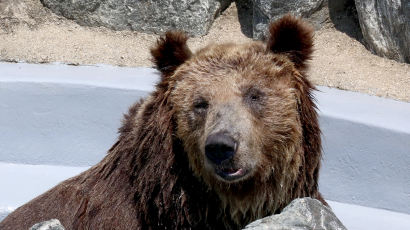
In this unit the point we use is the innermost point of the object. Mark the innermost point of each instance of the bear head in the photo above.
(244, 114)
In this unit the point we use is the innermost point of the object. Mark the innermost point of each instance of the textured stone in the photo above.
(265, 11)
(386, 27)
(305, 213)
(343, 15)
(52, 224)
(193, 16)
(20, 12)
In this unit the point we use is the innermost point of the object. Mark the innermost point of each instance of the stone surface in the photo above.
(20, 12)
(305, 213)
(52, 224)
(343, 15)
(193, 16)
(386, 27)
(265, 11)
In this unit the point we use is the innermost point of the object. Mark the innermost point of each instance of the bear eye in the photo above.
(254, 95)
(201, 105)
(254, 99)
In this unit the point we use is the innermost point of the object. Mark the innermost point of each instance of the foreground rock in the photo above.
(52, 224)
(193, 16)
(305, 213)
(386, 27)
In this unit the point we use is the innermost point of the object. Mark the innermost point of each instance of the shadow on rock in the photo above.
(343, 14)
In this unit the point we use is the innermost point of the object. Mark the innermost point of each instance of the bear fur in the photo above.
(157, 175)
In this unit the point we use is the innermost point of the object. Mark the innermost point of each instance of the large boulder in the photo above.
(386, 27)
(304, 213)
(265, 11)
(193, 16)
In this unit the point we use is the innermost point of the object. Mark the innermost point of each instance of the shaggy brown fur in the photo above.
(157, 176)
(292, 38)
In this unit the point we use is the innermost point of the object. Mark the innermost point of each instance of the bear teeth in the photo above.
(233, 172)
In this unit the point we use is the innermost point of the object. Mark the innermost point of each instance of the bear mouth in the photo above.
(231, 174)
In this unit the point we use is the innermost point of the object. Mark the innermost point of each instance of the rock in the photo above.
(245, 16)
(305, 213)
(193, 16)
(343, 15)
(52, 224)
(386, 27)
(20, 12)
(265, 11)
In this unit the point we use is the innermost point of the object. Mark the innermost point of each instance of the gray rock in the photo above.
(20, 12)
(343, 15)
(52, 224)
(305, 213)
(386, 27)
(193, 16)
(265, 11)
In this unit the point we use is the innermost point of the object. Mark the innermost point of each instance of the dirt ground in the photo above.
(31, 33)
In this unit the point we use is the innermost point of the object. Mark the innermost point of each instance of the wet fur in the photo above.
(148, 179)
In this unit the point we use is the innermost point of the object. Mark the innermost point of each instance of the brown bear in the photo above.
(229, 135)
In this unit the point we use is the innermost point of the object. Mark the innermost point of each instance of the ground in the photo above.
(34, 34)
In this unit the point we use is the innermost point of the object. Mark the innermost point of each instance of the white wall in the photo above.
(366, 145)
(65, 115)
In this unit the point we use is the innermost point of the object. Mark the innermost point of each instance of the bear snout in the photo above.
(220, 147)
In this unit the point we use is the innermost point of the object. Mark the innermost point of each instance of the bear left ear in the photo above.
(292, 37)
(170, 51)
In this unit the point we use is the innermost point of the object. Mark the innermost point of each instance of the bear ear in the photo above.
(170, 51)
(292, 37)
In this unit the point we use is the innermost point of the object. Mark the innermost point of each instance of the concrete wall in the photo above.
(65, 115)
(366, 145)
(68, 116)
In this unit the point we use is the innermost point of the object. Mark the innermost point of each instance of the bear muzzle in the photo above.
(220, 148)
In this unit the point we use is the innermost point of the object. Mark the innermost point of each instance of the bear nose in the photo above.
(220, 147)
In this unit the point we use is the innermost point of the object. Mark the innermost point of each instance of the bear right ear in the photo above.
(292, 37)
(170, 51)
